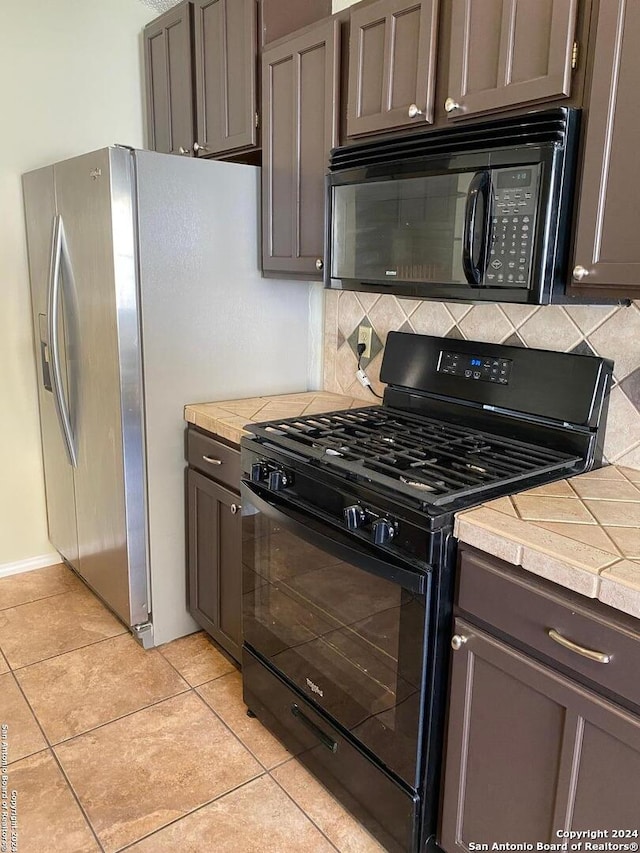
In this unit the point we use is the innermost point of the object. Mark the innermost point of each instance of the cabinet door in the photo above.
(524, 747)
(169, 80)
(215, 560)
(226, 44)
(300, 124)
(392, 49)
(509, 52)
(607, 253)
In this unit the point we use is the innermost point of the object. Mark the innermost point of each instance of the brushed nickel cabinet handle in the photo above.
(414, 111)
(580, 272)
(458, 641)
(319, 263)
(197, 147)
(598, 657)
(235, 508)
(184, 151)
(450, 105)
(212, 460)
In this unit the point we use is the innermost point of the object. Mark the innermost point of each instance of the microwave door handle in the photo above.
(480, 187)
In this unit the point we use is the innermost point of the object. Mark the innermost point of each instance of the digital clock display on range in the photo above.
(483, 368)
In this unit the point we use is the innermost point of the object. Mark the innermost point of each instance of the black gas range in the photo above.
(349, 555)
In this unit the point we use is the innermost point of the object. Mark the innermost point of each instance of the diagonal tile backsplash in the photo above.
(612, 332)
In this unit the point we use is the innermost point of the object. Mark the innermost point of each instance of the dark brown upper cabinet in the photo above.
(607, 250)
(300, 79)
(507, 53)
(169, 81)
(226, 47)
(392, 49)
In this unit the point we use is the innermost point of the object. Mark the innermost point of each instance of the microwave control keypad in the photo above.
(512, 228)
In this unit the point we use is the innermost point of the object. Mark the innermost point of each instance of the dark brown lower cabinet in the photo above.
(215, 560)
(531, 753)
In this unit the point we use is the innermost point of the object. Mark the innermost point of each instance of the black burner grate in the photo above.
(433, 461)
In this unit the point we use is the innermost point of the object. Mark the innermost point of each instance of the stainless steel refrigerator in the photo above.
(146, 295)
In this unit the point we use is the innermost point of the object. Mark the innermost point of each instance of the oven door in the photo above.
(342, 621)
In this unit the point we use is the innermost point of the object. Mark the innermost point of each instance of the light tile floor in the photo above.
(113, 748)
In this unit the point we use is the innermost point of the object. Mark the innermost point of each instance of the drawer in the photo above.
(527, 609)
(214, 458)
(385, 807)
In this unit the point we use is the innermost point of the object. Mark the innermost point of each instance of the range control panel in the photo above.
(512, 226)
(475, 367)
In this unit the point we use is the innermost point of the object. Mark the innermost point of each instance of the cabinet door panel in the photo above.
(300, 115)
(608, 750)
(391, 64)
(607, 243)
(509, 52)
(225, 51)
(215, 562)
(169, 81)
(505, 748)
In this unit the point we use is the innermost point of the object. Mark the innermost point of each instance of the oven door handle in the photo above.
(337, 544)
(480, 186)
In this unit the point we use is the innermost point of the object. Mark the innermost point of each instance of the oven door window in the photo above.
(400, 230)
(351, 641)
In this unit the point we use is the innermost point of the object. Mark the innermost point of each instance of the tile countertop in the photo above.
(227, 418)
(582, 533)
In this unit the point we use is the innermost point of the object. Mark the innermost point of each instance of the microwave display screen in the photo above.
(514, 178)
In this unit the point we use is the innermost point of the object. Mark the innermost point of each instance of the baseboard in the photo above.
(29, 565)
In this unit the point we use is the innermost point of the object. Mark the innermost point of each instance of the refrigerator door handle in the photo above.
(58, 247)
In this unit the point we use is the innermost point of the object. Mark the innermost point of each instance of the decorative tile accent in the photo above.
(376, 343)
(583, 348)
(514, 340)
(631, 386)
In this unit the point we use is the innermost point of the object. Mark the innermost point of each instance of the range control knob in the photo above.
(278, 480)
(259, 472)
(354, 516)
(383, 531)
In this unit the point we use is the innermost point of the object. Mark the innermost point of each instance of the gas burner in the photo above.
(432, 461)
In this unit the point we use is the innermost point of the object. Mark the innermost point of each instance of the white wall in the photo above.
(71, 78)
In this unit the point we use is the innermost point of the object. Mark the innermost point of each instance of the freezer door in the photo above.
(95, 205)
(40, 215)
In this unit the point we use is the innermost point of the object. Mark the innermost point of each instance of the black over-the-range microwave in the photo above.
(474, 213)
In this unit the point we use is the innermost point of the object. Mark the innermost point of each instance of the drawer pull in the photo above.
(598, 657)
(235, 508)
(212, 460)
(324, 739)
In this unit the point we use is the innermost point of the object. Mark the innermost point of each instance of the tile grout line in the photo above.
(227, 726)
(40, 598)
(298, 806)
(66, 652)
(49, 748)
(189, 813)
